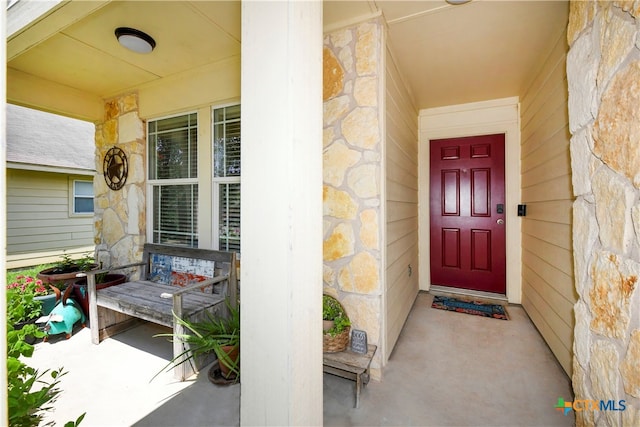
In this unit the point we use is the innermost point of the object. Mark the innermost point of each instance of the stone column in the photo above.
(120, 215)
(352, 165)
(603, 70)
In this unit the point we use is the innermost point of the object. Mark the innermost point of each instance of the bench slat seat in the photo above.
(142, 299)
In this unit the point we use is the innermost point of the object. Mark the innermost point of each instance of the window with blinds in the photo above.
(226, 176)
(175, 219)
(173, 179)
(82, 197)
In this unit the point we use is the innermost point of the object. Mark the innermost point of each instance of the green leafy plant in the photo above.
(333, 310)
(30, 393)
(26, 405)
(64, 265)
(76, 422)
(339, 324)
(86, 263)
(68, 265)
(22, 305)
(100, 277)
(211, 335)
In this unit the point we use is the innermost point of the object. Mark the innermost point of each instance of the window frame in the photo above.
(208, 190)
(152, 183)
(72, 197)
(217, 181)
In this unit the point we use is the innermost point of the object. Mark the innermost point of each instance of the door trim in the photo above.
(478, 118)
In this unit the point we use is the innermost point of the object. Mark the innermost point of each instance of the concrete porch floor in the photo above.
(448, 369)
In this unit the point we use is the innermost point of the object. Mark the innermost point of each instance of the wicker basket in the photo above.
(336, 343)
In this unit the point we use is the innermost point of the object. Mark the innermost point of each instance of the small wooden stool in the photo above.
(350, 365)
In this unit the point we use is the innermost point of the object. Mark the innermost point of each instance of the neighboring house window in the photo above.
(82, 197)
(226, 177)
(173, 179)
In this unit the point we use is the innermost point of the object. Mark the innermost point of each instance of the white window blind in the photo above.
(175, 219)
(173, 177)
(226, 176)
(82, 197)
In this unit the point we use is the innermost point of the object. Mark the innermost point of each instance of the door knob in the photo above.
(500, 221)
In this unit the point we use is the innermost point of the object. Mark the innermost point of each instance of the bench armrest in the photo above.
(195, 285)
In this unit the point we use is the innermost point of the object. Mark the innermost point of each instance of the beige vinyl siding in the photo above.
(548, 292)
(39, 224)
(401, 204)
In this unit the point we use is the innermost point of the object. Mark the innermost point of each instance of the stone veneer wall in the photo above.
(352, 174)
(120, 221)
(603, 70)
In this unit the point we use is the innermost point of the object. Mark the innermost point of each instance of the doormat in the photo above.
(495, 311)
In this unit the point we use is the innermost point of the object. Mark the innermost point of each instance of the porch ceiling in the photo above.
(448, 54)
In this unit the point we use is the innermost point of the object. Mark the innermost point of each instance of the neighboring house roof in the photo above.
(45, 141)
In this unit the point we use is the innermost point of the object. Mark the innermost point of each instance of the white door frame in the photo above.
(478, 118)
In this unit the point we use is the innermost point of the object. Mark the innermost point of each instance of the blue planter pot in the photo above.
(48, 302)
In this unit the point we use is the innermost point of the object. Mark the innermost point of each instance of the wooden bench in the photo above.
(189, 282)
(350, 365)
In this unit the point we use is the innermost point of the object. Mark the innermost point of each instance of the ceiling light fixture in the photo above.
(135, 40)
(457, 2)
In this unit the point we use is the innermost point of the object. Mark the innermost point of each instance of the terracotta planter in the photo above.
(81, 292)
(233, 351)
(53, 277)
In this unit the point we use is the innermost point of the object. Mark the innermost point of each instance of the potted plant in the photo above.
(218, 335)
(336, 325)
(64, 271)
(334, 317)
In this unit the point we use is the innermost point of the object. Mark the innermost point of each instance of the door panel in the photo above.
(451, 247)
(467, 236)
(451, 191)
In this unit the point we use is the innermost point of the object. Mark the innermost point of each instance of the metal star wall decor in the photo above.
(116, 168)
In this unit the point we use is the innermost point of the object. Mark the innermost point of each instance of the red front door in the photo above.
(467, 209)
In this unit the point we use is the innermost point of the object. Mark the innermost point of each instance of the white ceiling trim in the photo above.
(34, 92)
(23, 36)
(419, 14)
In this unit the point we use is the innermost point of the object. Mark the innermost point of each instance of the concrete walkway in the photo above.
(112, 383)
(453, 369)
(448, 369)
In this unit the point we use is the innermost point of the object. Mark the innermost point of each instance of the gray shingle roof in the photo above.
(39, 138)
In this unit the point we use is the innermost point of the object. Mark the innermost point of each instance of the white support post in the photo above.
(94, 321)
(281, 343)
(4, 409)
